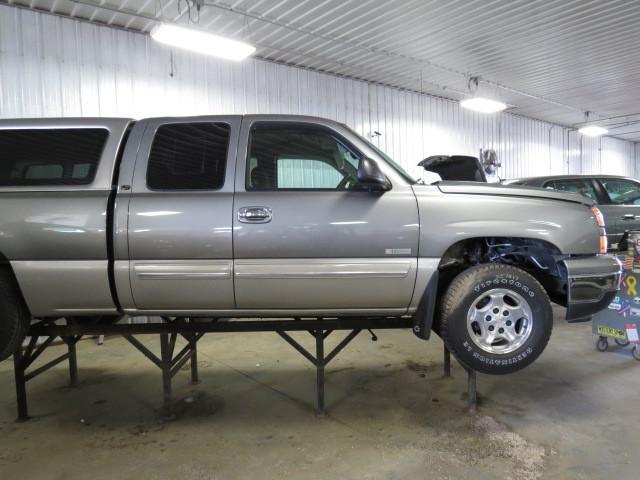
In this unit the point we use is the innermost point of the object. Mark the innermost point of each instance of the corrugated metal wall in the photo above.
(53, 66)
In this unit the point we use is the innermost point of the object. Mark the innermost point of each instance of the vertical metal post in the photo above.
(165, 356)
(73, 361)
(320, 370)
(447, 362)
(193, 342)
(21, 385)
(472, 391)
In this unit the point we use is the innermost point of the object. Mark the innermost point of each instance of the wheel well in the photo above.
(540, 258)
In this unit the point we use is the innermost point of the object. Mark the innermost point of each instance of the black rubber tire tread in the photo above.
(602, 345)
(621, 343)
(455, 297)
(14, 316)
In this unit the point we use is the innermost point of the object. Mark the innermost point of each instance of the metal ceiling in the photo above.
(548, 59)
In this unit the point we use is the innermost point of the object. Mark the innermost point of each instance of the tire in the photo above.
(14, 316)
(602, 345)
(495, 298)
(621, 343)
(635, 351)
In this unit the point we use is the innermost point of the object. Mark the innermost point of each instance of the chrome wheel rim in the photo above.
(499, 321)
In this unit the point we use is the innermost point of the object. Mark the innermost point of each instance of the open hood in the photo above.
(455, 167)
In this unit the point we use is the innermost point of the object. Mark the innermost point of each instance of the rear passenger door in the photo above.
(589, 188)
(180, 208)
(622, 209)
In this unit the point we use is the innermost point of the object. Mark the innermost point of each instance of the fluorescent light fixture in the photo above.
(593, 130)
(483, 105)
(201, 42)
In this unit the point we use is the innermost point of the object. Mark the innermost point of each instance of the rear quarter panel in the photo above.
(55, 237)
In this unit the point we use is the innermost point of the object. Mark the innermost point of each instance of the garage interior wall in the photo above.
(52, 66)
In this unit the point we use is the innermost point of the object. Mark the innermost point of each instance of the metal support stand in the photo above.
(447, 362)
(24, 358)
(193, 341)
(170, 364)
(472, 389)
(472, 401)
(319, 360)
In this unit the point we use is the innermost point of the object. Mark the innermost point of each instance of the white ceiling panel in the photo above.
(547, 59)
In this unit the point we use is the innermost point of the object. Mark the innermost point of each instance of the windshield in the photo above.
(386, 158)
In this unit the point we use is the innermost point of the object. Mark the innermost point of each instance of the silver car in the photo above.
(618, 198)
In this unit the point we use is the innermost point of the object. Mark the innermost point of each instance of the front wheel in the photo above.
(495, 318)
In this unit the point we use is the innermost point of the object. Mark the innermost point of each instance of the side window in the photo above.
(56, 156)
(621, 191)
(299, 157)
(306, 173)
(188, 156)
(579, 186)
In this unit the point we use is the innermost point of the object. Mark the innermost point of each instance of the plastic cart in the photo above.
(621, 320)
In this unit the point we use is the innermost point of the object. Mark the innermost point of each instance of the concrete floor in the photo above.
(573, 414)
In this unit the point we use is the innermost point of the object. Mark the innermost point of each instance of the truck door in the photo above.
(587, 187)
(306, 238)
(179, 215)
(622, 208)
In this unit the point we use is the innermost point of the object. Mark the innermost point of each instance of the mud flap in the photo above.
(423, 319)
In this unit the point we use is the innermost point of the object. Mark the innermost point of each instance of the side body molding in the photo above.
(340, 284)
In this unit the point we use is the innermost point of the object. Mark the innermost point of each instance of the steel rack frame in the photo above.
(192, 330)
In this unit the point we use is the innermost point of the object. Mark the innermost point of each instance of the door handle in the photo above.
(255, 215)
(628, 216)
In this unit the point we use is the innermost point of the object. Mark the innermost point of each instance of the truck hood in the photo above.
(455, 167)
(474, 188)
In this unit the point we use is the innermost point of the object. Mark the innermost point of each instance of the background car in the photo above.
(618, 198)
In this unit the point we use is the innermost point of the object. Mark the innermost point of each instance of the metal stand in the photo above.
(472, 389)
(447, 362)
(22, 360)
(320, 361)
(170, 363)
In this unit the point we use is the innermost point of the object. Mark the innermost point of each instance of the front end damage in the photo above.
(585, 284)
(592, 283)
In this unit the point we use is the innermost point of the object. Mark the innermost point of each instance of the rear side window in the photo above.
(582, 187)
(188, 156)
(622, 191)
(64, 156)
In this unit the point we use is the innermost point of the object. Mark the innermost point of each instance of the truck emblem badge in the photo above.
(397, 251)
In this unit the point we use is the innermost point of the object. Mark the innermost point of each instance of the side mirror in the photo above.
(370, 176)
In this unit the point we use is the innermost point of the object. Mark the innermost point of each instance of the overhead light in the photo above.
(201, 42)
(593, 130)
(483, 105)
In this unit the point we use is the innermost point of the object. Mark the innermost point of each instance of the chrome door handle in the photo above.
(628, 216)
(255, 215)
